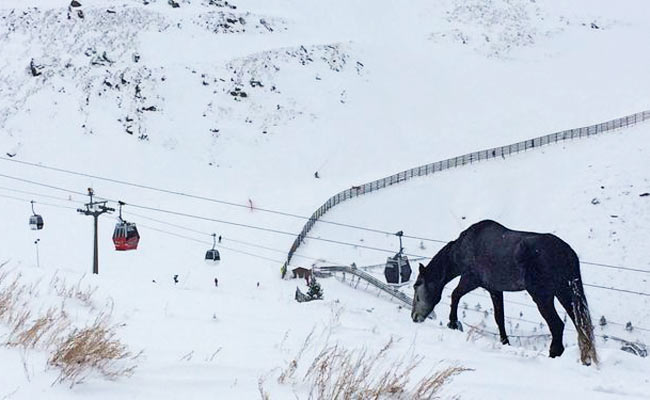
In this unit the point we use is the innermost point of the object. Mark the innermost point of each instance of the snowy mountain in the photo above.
(230, 108)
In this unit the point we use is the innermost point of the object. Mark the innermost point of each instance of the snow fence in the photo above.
(431, 168)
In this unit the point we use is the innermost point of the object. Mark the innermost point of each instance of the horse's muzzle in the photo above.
(417, 317)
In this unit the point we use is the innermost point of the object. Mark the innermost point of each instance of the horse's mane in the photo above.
(442, 258)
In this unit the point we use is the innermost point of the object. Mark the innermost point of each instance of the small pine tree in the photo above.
(315, 291)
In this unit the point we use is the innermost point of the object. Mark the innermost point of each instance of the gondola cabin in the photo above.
(398, 269)
(212, 256)
(36, 222)
(125, 236)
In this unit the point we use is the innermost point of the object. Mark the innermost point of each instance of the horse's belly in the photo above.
(504, 279)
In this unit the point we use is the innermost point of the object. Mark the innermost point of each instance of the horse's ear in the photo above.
(421, 268)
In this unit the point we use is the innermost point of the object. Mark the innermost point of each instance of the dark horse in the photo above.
(498, 259)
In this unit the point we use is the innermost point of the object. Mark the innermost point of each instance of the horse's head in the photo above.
(428, 290)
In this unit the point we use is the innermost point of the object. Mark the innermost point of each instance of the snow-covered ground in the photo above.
(245, 104)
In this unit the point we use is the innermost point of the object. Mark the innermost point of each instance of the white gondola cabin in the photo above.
(35, 220)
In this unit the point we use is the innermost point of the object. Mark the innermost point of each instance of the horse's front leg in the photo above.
(497, 302)
(467, 284)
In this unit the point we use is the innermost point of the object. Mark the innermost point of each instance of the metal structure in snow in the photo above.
(95, 209)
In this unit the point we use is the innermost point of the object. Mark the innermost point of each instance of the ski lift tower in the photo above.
(95, 209)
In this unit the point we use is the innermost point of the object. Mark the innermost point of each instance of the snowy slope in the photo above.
(152, 94)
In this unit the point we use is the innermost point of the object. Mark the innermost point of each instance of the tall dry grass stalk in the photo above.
(264, 395)
(428, 387)
(340, 373)
(10, 297)
(289, 371)
(76, 352)
(75, 291)
(40, 332)
(92, 349)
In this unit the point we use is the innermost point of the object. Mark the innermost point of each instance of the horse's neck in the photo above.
(451, 272)
(444, 262)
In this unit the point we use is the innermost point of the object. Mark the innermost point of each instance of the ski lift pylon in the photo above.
(398, 268)
(35, 220)
(125, 235)
(212, 255)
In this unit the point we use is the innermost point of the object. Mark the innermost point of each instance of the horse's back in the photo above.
(488, 251)
(506, 260)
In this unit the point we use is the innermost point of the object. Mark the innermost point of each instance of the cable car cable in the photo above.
(227, 238)
(36, 202)
(614, 267)
(209, 243)
(616, 289)
(282, 232)
(210, 199)
(265, 229)
(204, 233)
(42, 184)
(40, 195)
(205, 242)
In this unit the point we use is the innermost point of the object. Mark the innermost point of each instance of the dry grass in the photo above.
(76, 352)
(260, 387)
(18, 320)
(75, 291)
(41, 332)
(428, 387)
(92, 349)
(10, 297)
(340, 373)
(289, 371)
(474, 333)
(16, 311)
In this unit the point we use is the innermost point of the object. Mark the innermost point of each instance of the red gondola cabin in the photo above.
(125, 236)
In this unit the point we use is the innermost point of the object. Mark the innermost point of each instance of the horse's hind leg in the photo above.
(564, 297)
(546, 307)
(497, 302)
(467, 284)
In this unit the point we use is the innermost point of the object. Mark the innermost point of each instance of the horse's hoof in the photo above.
(505, 341)
(455, 325)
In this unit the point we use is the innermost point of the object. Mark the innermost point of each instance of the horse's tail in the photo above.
(583, 324)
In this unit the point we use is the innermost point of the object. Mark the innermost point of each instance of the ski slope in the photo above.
(355, 91)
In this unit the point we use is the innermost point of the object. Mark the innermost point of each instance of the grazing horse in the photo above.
(498, 259)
